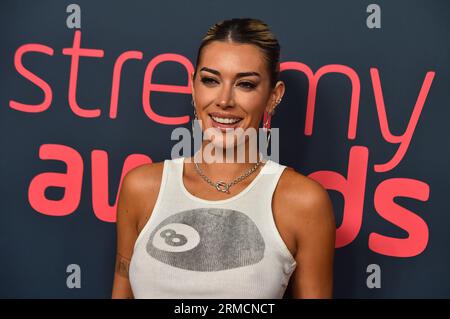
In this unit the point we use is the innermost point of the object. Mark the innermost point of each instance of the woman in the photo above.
(183, 232)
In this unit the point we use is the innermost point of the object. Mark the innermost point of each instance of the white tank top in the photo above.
(196, 248)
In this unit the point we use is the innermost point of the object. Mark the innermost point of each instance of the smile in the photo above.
(225, 123)
(224, 120)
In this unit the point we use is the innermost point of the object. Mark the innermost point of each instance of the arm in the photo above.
(315, 232)
(126, 230)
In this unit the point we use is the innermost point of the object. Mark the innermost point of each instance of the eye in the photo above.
(207, 80)
(248, 85)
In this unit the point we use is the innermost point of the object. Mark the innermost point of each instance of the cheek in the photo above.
(204, 97)
(251, 103)
(254, 110)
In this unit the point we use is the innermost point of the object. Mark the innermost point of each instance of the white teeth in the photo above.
(225, 120)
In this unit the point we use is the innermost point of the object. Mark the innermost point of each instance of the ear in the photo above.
(276, 94)
(271, 101)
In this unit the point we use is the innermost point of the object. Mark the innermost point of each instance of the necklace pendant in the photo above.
(222, 187)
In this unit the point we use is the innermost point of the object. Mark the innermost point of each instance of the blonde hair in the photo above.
(249, 31)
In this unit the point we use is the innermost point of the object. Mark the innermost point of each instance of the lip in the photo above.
(223, 126)
(224, 115)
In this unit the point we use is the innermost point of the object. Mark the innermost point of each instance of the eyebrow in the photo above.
(238, 75)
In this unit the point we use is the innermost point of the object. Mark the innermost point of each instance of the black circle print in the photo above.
(207, 239)
(172, 238)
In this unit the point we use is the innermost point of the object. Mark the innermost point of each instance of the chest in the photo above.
(280, 208)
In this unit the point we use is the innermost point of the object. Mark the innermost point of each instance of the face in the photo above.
(231, 91)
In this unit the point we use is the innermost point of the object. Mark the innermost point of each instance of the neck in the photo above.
(226, 164)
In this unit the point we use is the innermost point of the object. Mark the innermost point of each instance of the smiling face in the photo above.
(232, 89)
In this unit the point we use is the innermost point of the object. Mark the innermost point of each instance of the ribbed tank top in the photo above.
(196, 248)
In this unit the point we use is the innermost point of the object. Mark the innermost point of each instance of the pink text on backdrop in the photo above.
(353, 184)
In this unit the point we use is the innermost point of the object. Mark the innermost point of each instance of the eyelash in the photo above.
(248, 85)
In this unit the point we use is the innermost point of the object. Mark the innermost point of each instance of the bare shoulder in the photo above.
(311, 222)
(305, 198)
(301, 189)
(136, 195)
(145, 176)
(141, 187)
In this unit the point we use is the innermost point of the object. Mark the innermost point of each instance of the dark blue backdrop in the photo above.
(36, 247)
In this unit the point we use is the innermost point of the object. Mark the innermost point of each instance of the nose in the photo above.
(226, 98)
